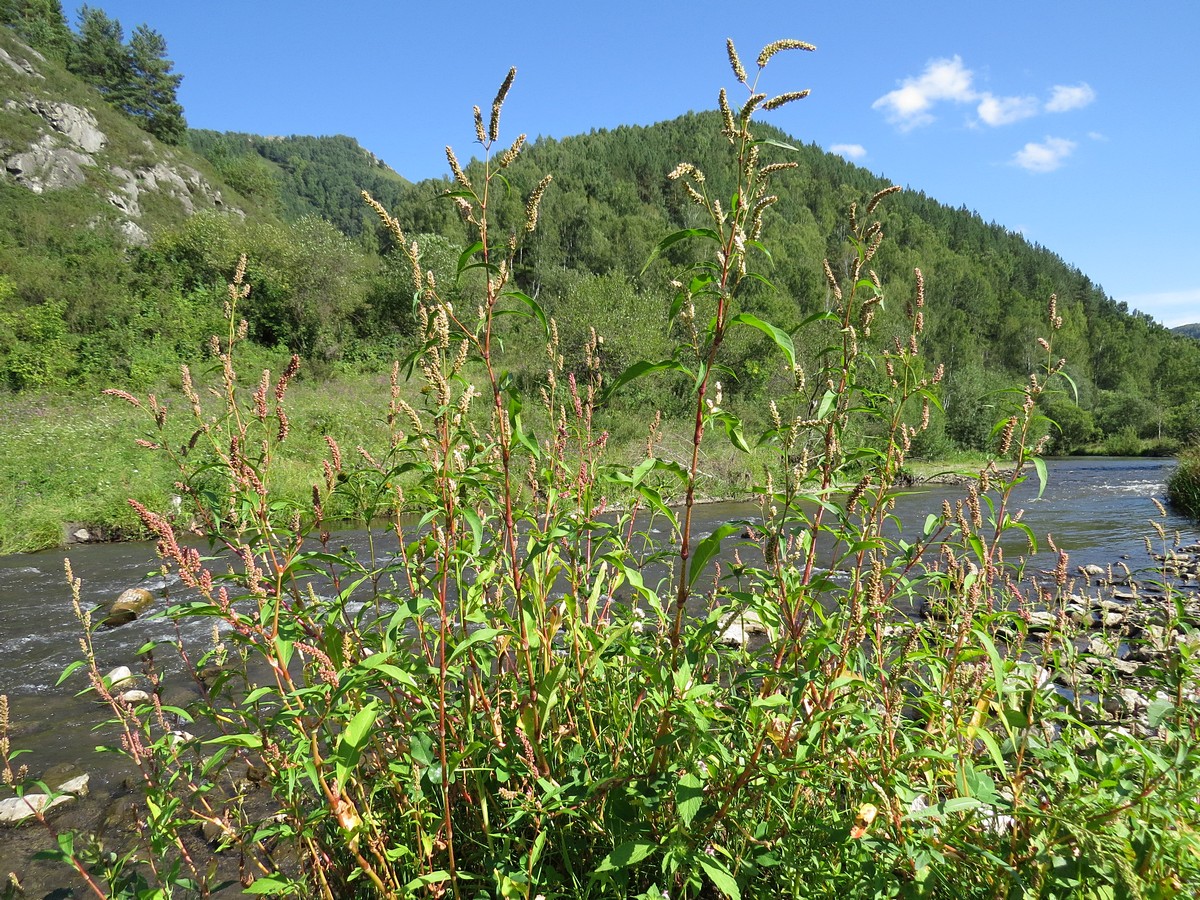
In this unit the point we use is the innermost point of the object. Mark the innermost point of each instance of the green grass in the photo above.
(72, 458)
(1183, 487)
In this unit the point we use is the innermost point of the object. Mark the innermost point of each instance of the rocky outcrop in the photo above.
(68, 147)
(48, 166)
(21, 65)
(76, 124)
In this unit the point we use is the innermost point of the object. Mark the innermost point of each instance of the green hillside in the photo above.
(116, 250)
(302, 175)
(1192, 330)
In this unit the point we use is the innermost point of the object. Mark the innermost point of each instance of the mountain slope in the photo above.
(84, 187)
(987, 288)
(1192, 330)
(304, 175)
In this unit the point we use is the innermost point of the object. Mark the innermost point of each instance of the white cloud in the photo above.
(1005, 110)
(1044, 157)
(1067, 97)
(948, 80)
(909, 105)
(850, 151)
(1097, 136)
(1169, 307)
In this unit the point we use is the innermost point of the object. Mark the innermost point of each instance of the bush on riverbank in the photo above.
(1183, 487)
(528, 693)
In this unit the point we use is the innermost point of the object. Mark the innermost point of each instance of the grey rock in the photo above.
(48, 167)
(78, 125)
(119, 677)
(736, 630)
(65, 781)
(134, 234)
(1042, 620)
(16, 810)
(19, 65)
(136, 600)
(66, 778)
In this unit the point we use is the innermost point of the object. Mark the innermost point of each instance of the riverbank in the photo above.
(70, 463)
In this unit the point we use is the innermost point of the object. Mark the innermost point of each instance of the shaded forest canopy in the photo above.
(79, 307)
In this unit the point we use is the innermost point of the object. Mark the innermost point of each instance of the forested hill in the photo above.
(611, 201)
(115, 249)
(301, 175)
(1192, 330)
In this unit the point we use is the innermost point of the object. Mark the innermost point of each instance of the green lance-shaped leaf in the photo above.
(628, 854)
(720, 877)
(465, 257)
(534, 308)
(671, 239)
(352, 741)
(781, 338)
(707, 549)
(637, 370)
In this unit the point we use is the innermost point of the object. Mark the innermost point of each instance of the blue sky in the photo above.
(1077, 124)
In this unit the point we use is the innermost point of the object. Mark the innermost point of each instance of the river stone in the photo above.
(16, 810)
(118, 677)
(1042, 620)
(66, 778)
(738, 629)
(137, 600)
(118, 619)
(135, 696)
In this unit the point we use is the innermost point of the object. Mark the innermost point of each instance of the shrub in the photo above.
(1183, 487)
(521, 691)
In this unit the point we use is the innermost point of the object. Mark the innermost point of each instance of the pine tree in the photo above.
(39, 23)
(152, 92)
(99, 55)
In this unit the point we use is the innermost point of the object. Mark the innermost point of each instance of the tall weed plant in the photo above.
(1183, 486)
(526, 689)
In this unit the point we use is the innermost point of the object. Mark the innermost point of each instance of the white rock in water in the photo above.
(77, 786)
(135, 696)
(1042, 620)
(736, 630)
(66, 778)
(118, 676)
(16, 810)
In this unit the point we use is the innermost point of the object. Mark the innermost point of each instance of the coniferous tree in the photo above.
(40, 23)
(152, 92)
(99, 55)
